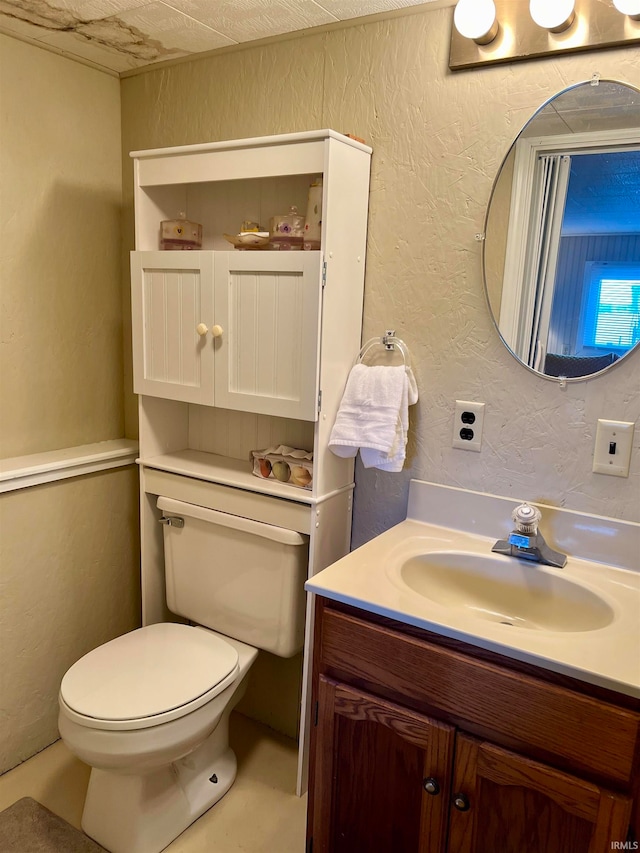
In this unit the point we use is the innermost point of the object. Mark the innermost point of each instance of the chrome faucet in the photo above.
(526, 541)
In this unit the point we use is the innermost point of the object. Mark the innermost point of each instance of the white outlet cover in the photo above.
(619, 436)
(458, 424)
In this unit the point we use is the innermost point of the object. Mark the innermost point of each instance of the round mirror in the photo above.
(561, 256)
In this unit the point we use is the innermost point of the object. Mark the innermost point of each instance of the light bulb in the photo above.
(476, 19)
(553, 15)
(628, 7)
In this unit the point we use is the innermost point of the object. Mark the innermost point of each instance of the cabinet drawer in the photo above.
(524, 712)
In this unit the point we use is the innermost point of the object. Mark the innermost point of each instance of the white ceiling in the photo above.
(120, 36)
(603, 195)
(604, 189)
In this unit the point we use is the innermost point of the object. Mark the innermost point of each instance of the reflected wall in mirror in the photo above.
(561, 256)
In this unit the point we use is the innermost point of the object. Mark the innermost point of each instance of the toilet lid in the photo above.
(149, 672)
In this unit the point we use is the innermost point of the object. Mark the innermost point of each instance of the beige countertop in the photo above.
(602, 648)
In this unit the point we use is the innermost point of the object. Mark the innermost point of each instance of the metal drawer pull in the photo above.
(461, 802)
(172, 521)
(431, 786)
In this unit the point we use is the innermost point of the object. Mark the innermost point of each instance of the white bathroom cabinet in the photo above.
(235, 329)
(237, 351)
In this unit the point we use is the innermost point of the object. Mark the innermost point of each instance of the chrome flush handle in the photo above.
(172, 521)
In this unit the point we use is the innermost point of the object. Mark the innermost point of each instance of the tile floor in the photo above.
(260, 814)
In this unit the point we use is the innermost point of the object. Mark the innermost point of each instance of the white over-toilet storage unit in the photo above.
(288, 329)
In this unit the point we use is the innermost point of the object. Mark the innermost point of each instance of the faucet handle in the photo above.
(526, 518)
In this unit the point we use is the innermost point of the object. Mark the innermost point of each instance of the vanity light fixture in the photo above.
(553, 15)
(628, 7)
(529, 29)
(476, 19)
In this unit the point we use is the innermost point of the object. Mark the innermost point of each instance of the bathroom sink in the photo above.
(580, 621)
(505, 591)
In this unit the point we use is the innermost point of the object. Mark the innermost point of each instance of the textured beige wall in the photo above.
(61, 355)
(69, 582)
(438, 141)
(69, 564)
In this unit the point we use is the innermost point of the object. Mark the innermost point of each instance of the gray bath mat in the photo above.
(27, 827)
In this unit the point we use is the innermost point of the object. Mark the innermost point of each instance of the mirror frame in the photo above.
(556, 379)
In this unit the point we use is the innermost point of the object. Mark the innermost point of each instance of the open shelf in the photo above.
(226, 471)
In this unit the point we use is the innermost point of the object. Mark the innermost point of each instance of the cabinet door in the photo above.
(171, 296)
(374, 765)
(268, 304)
(502, 801)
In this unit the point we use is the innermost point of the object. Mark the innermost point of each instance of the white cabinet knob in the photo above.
(201, 329)
(217, 331)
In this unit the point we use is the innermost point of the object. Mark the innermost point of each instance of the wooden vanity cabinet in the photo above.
(373, 761)
(425, 744)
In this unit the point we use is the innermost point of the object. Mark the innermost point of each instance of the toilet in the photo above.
(149, 711)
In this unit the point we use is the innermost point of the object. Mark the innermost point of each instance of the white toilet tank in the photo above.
(240, 577)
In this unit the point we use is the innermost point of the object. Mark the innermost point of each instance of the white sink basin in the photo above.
(506, 591)
(581, 621)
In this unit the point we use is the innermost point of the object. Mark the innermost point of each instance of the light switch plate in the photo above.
(612, 451)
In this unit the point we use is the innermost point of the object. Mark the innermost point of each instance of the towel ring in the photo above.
(390, 343)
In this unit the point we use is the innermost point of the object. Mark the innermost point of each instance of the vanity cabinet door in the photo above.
(382, 775)
(503, 801)
(269, 305)
(172, 313)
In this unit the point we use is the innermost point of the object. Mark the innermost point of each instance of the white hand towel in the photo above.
(394, 459)
(374, 417)
(368, 413)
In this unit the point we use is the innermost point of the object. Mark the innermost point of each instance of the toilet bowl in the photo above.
(160, 753)
(149, 711)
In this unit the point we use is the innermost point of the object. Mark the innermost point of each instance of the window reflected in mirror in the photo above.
(562, 247)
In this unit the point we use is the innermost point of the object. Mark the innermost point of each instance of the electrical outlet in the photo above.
(467, 425)
(612, 451)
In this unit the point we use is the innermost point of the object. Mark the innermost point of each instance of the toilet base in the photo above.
(144, 813)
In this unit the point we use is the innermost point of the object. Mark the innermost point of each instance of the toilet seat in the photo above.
(148, 677)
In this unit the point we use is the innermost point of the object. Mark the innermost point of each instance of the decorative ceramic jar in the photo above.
(287, 231)
(180, 234)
